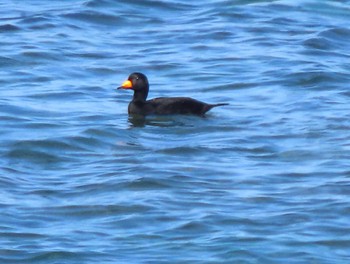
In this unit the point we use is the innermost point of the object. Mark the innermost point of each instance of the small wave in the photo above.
(318, 43)
(147, 184)
(44, 152)
(33, 156)
(9, 28)
(94, 17)
(9, 62)
(315, 79)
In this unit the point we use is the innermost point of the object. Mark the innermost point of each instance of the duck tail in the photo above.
(210, 106)
(221, 104)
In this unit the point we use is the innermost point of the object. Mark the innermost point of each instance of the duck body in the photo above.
(170, 106)
(162, 105)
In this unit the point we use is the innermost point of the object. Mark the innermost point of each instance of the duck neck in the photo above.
(140, 96)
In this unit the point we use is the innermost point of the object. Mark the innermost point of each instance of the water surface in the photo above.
(263, 180)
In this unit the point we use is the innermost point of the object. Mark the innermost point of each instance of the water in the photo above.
(263, 180)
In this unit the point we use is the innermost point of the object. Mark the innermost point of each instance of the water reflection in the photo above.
(137, 121)
(162, 121)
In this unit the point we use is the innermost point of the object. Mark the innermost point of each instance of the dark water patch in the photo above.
(249, 2)
(43, 152)
(335, 243)
(320, 80)
(33, 157)
(91, 55)
(54, 256)
(148, 184)
(98, 3)
(77, 188)
(140, 5)
(35, 19)
(41, 55)
(44, 26)
(164, 6)
(95, 17)
(338, 38)
(90, 143)
(8, 121)
(337, 34)
(9, 28)
(101, 70)
(9, 62)
(7, 180)
(14, 174)
(57, 192)
(318, 43)
(190, 227)
(98, 210)
(286, 21)
(52, 145)
(22, 235)
(184, 150)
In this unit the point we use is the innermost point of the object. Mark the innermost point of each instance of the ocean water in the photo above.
(263, 180)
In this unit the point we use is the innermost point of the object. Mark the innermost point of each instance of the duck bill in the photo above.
(126, 85)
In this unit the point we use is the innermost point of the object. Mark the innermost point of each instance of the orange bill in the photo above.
(126, 85)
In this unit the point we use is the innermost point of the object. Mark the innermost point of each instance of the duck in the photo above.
(139, 104)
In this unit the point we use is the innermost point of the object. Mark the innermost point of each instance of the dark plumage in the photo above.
(163, 105)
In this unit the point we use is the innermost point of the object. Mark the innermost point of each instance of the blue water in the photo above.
(263, 180)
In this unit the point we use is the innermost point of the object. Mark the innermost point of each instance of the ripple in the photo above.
(95, 17)
(35, 19)
(317, 79)
(144, 184)
(34, 156)
(59, 255)
(9, 28)
(8, 62)
(318, 43)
